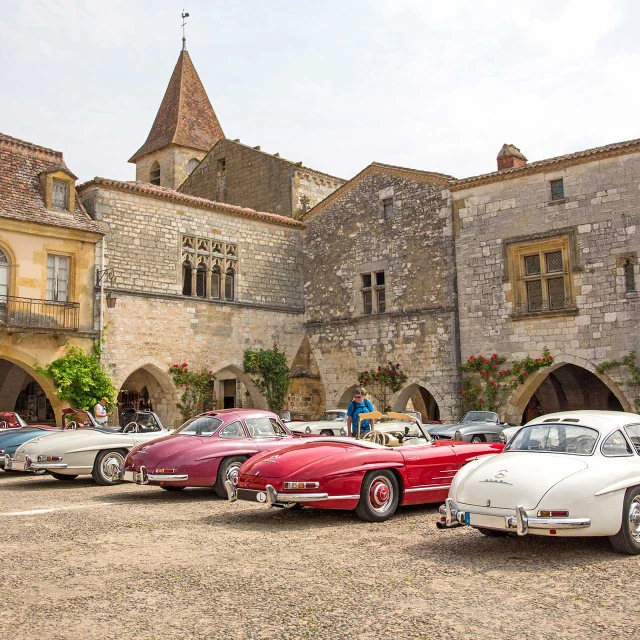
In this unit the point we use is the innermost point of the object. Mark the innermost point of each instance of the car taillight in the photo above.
(49, 458)
(166, 471)
(553, 513)
(301, 485)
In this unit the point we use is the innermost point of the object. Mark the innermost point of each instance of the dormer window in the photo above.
(60, 195)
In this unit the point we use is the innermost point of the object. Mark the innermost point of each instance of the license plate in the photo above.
(251, 495)
(129, 476)
(482, 520)
(18, 466)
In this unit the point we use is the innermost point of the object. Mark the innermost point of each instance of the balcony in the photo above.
(38, 315)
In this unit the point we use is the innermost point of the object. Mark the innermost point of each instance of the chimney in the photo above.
(510, 157)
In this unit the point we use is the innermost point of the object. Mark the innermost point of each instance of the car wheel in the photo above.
(627, 540)
(379, 496)
(326, 432)
(228, 470)
(492, 533)
(171, 488)
(62, 476)
(107, 467)
(477, 439)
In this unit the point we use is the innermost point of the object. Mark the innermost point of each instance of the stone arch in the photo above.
(306, 396)
(256, 398)
(423, 397)
(519, 400)
(163, 395)
(346, 397)
(28, 364)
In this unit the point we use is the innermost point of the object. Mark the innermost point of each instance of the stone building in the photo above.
(547, 255)
(47, 275)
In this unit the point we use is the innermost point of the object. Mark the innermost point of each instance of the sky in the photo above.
(337, 84)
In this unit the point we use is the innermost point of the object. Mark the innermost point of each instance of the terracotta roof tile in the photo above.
(186, 116)
(21, 193)
(152, 191)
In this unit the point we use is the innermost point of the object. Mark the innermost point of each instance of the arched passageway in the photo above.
(346, 398)
(567, 388)
(22, 393)
(234, 388)
(415, 397)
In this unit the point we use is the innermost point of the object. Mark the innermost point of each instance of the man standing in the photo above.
(100, 412)
(359, 405)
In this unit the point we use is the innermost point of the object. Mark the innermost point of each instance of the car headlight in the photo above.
(502, 438)
(343, 432)
(49, 458)
(307, 429)
(457, 435)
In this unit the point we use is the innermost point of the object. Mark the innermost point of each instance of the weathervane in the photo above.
(184, 39)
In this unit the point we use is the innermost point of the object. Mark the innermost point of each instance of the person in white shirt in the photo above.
(100, 411)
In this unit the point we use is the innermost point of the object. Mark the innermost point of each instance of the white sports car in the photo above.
(575, 473)
(73, 452)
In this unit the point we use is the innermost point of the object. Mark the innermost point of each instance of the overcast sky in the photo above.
(434, 85)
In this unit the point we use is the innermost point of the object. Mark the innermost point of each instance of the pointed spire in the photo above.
(185, 117)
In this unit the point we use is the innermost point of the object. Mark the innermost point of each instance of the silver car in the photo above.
(476, 426)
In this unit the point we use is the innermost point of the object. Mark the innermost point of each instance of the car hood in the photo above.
(294, 459)
(443, 429)
(327, 424)
(73, 440)
(516, 478)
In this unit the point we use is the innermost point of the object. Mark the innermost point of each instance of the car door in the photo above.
(430, 469)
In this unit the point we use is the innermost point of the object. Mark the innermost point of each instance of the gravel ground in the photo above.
(139, 562)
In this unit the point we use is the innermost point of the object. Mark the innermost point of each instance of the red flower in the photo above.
(524, 374)
(378, 368)
(174, 365)
(397, 365)
(184, 364)
(480, 399)
(479, 389)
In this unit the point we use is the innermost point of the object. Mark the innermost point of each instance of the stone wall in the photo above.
(310, 188)
(598, 217)
(173, 162)
(414, 247)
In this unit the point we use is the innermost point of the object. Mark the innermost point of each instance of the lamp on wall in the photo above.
(111, 297)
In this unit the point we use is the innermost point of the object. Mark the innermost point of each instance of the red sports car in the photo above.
(207, 450)
(395, 464)
(11, 420)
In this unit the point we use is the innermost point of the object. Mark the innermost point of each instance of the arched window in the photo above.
(201, 280)
(191, 165)
(4, 274)
(154, 177)
(229, 284)
(186, 278)
(629, 277)
(216, 276)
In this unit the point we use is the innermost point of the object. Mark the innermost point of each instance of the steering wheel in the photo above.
(132, 427)
(4, 425)
(375, 436)
(71, 425)
(581, 444)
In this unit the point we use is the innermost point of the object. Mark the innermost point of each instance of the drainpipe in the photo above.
(101, 320)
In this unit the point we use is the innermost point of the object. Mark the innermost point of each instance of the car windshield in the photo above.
(21, 422)
(199, 426)
(334, 415)
(555, 438)
(480, 416)
(264, 427)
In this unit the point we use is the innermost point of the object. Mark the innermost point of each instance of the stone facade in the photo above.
(237, 174)
(597, 222)
(411, 242)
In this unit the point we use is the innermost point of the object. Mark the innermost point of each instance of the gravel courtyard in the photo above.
(82, 562)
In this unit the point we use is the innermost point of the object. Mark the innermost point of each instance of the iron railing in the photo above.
(32, 313)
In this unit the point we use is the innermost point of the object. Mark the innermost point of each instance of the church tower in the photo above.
(185, 129)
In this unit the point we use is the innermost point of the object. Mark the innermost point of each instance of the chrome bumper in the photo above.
(46, 466)
(272, 498)
(144, 477)
(521, 522)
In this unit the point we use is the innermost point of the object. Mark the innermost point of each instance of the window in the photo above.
(4, 274)
(215, 274)
(373, 293)
(616, 445)
(154, 176)
(60, 195)
(57, 278)
(233, 430)
(629, 277)
(264, 427)
(633, 431)
(541, 280)
(191, 165)
(555, 438)
(387, 208)
(557, 189)
(199, 426)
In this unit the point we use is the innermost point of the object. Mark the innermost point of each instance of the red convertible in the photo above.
(395, 464)
(207, 450)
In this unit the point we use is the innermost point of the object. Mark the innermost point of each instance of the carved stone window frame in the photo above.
(213, 256)
(376, 291)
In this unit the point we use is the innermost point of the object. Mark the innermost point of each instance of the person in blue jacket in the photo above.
(359, 405)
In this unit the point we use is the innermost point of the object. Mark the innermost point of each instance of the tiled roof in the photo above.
(588, 155)
(186, 116)
(432, 177)
(21, 193)
(163, 193)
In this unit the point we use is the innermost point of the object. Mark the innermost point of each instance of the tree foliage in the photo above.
(383, 382)
(270, 373)
(79, 378)
(196, 389)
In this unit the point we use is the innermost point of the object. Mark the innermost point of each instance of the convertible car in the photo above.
(397, 463)
(575, 473)
(206, 450)
(11, 439)
(11, 420)
(73, 452)
(476, 426)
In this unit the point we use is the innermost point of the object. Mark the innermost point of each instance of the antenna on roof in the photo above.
(184, 39)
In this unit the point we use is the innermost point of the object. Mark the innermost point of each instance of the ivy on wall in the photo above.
(271, 374)
(629, 361)
(488, 383)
